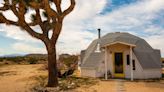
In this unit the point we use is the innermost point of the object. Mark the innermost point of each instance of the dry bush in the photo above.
(65, 84)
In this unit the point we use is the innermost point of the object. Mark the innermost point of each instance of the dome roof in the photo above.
(147, 56)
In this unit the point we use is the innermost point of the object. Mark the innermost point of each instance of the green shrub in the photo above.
(15, 59)
(162, 75)
(69, 60)
(32, 60)
(1, 59)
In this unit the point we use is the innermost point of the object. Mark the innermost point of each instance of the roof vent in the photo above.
(98, 42)
(99, 33)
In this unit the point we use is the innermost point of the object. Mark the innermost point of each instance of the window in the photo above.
(134, 66)
(128, 59)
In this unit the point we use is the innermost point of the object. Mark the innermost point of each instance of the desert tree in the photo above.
(53, 21)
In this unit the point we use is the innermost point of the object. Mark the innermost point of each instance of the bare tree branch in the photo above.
(58, 27)
(71, 7)
(30, 31)
(13, 8)
(39, 20)
(33, 23)
(22, 11)
(8, 22)
(58, 6)
(56, 31)
(48, 9)
(24, 25)
(5, 6)
(35, 5)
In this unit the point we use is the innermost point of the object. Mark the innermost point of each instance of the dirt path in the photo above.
(17, 78)
(118, 85)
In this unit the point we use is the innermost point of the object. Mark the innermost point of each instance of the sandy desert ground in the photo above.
(19, 78)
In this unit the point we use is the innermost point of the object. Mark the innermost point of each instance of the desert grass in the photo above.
(8, 73)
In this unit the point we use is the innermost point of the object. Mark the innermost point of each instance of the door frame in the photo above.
(118, 75)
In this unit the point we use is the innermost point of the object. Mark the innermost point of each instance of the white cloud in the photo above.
(154, 5)
(85, 10)
(27, 48)
(74, 40)
(135, 18)
(130, 16)
(75, 35)
(17, 34)
(156, 39)
(10, 15)
(157, 42)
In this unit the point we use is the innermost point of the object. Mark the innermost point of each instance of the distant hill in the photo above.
(13, 55)
(23, 59)
(26, 55)
(36, 55)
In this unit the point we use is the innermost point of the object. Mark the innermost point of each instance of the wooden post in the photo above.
(106, 70)
(131, 63)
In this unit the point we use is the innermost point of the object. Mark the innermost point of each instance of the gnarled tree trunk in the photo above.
(54, 22)
(52, 65)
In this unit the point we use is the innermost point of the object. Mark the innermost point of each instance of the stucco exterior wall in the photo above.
(138, 72)
(86, 72)
(101, 70)
(152, 73)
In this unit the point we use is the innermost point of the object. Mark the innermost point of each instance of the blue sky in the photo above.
(144, 18)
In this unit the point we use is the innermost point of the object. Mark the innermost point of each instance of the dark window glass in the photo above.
(134, 66)
(128, 59)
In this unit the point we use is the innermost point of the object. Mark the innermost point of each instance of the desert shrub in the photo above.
(65, 84)
(32, 60)
(162, 75)
(1, 59)
(44, 67)
(25, 59)
(68, 60)
(15, 59)
(40, 85)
